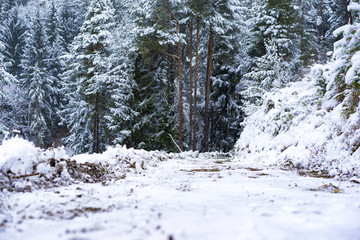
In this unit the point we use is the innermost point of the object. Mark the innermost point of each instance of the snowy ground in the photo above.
(188, 198)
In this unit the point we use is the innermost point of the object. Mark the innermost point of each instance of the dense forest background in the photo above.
(140, 72)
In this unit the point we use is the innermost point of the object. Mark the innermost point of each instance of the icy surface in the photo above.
(188, 197)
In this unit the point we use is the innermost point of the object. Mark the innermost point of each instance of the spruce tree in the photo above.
(277, 20)
(223, 107)
(90, 67)
(36, 80)
(12, 36)
(55, 65)
(5, 80)
(122, 113)
(157, 41)
(270, 72)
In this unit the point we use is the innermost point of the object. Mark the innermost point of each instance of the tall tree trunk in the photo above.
(95, 147)
(180, 79)
(171, 77)
(2, 105)
(180, 98)
(195, 79)
(207, 90)
(320, 33)
(191, 83)
(37, 128)
(347, 13)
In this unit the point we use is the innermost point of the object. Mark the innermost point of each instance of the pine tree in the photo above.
(5, 7)
(271, 71)
(71, 14)
(36, 79)
(311, 31)
(12, 36)
(196, 10)
(55, 65)
(90, 66)
(277, 20)
(122, 114)
(158, 40)
(221, 29)
(335, 14)
(5, 80)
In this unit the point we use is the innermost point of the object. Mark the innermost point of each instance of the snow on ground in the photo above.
(187, 196)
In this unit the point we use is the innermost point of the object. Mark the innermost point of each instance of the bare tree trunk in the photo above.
(37, 129)
(95, 147)
(347, 13)
(180, 98)
(320, 33)
(207, 92)
(195, 79)
(2, 105)
(180, 79)
(191, 84)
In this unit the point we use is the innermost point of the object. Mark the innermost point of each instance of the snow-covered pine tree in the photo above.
(276, 48)
(198, 12)
(55, 64)
(277, 20)
(121, 116)
(271, 71)
(155, 75)
(5, 7)
(224, 107)
(71, 14)
(5, 80)
(311, 31)
(12, 36)
(36, 80)
(90, 67)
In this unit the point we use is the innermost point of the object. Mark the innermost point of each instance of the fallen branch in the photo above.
(26, 175)
(175, 143)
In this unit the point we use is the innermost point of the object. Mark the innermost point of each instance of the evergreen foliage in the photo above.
(36, 80)
(12, 37)
(90, 67)
(5, 80)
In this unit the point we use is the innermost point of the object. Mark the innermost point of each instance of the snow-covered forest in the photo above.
(179, 119)
(89, 74)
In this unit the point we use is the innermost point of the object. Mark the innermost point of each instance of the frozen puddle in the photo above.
(188, 199)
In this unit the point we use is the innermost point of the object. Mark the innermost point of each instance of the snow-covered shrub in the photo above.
(315, 123)
(269, 73)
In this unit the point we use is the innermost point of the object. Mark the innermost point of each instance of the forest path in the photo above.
(188, 198)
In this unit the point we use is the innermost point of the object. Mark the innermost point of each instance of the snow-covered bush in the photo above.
(314, 123)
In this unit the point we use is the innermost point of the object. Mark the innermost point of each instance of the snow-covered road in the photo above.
(188, 199)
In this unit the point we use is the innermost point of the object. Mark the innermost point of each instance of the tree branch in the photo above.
(172, 15)
(26, 175)
(168, 54)
(175, 143)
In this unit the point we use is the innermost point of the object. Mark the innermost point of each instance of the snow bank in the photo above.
(23, 166)
(19, 156)
(298, 128)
